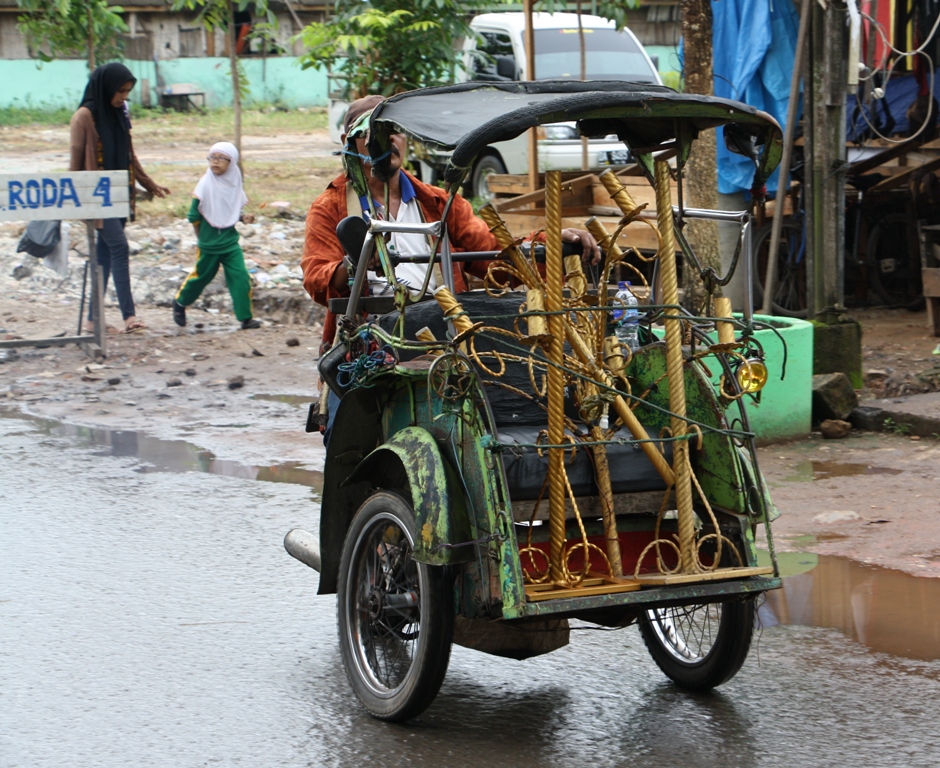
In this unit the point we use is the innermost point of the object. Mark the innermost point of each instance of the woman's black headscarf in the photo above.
(112, 124)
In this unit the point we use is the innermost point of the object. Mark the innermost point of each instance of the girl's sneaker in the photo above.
(251, 322)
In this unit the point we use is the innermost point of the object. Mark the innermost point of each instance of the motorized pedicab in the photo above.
(499, 463)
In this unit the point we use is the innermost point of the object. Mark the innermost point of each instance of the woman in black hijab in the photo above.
(101, 141)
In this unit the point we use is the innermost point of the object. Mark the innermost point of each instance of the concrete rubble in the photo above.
(162, 256)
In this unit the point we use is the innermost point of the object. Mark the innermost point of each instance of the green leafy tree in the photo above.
(388, 46)
(220, 14)
(58, 28)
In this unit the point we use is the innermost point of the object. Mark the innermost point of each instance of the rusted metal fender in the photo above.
(413, 459)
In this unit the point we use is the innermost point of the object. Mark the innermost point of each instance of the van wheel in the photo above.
(396, 615)
(486, 165)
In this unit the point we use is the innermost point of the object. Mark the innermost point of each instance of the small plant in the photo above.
(890, 425)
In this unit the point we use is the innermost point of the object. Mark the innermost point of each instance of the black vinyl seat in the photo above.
(520, 419)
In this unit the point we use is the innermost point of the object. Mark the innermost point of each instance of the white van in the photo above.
(498, 54)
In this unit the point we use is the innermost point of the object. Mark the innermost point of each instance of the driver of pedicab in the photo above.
(409, 200)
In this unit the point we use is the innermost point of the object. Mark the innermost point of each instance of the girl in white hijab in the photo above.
(216, 208)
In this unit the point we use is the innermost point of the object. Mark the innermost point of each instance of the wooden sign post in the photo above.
(85, 195)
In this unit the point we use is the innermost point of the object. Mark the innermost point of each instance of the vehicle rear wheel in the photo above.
(699, 646)
(486, 165)
(790, 284)
(396, 615)
(894, 264)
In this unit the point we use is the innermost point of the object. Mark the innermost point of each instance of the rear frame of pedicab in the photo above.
(415, 430)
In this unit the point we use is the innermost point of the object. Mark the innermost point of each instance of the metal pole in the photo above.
(530, 75)
(789, 130)
(97, 290)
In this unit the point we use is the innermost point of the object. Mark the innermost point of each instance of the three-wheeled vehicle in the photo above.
(499, 463)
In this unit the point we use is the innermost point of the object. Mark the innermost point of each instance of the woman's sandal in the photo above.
(109, 329)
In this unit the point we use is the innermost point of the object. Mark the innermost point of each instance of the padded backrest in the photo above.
(508, 407)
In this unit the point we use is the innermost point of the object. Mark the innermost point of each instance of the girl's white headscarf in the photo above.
(221, 198)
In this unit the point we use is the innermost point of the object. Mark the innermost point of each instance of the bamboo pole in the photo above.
(675, 370)
(556, 381)
(725, 330)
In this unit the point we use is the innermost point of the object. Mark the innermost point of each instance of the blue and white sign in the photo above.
(73, 195)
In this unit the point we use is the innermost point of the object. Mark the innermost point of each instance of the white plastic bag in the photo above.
(58, 260)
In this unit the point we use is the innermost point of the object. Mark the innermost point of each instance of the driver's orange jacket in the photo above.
(323, 253)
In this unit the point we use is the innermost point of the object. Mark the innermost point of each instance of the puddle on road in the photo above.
(159, 455)
(807, 471)
(886, 610)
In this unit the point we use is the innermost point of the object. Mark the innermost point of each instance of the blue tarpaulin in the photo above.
(754, 42)
(900, 93)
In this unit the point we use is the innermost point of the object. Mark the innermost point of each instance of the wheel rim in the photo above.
(789, 297)
(687, 633)
(383, 605)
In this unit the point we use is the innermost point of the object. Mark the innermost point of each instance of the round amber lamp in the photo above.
(752, 376)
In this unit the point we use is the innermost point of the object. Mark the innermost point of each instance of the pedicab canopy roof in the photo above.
(467, 117)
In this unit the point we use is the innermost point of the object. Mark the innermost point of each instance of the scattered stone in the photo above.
(837, 516)
(163, 395)
(236, 382)
(835, 429)
(174, 382)
(198, 356)
(21, 271)
(833, 396)
(293, 341)
(256, 353)
(190, 371)
(114, 381)
(133, 247)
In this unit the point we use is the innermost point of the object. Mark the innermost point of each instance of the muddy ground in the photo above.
(241, 394)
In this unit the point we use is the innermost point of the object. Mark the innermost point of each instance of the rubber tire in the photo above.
(911, 294)
(785, 275)
(487, 164)
(432, 655)
(723, 660)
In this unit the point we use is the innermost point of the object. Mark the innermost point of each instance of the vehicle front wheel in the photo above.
(699, 646)
(486, 166)
(395, 615)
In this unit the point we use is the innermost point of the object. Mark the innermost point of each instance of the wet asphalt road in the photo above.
(154, 619)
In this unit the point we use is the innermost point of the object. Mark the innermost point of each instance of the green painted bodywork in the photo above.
(440, 514)
(716, 462)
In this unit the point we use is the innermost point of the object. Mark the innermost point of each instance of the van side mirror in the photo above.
(739, 141)
(505, 66)
(351, 233)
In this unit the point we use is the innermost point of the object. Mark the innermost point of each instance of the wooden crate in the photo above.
(583, 196)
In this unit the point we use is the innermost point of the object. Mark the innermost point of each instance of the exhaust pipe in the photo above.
(303, 546)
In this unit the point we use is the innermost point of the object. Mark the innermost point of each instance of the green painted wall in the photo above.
(61, 83)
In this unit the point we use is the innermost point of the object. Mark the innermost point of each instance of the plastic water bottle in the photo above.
(626, 317)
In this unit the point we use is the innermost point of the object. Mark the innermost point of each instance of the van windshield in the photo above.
(611, 55)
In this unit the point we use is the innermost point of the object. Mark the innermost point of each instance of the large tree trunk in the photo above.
(700, 175)
(91, 40)
(236, 85)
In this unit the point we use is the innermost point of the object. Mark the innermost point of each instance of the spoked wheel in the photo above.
(396, 616)
(894, 265)
(699, 646)
(789, 298)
